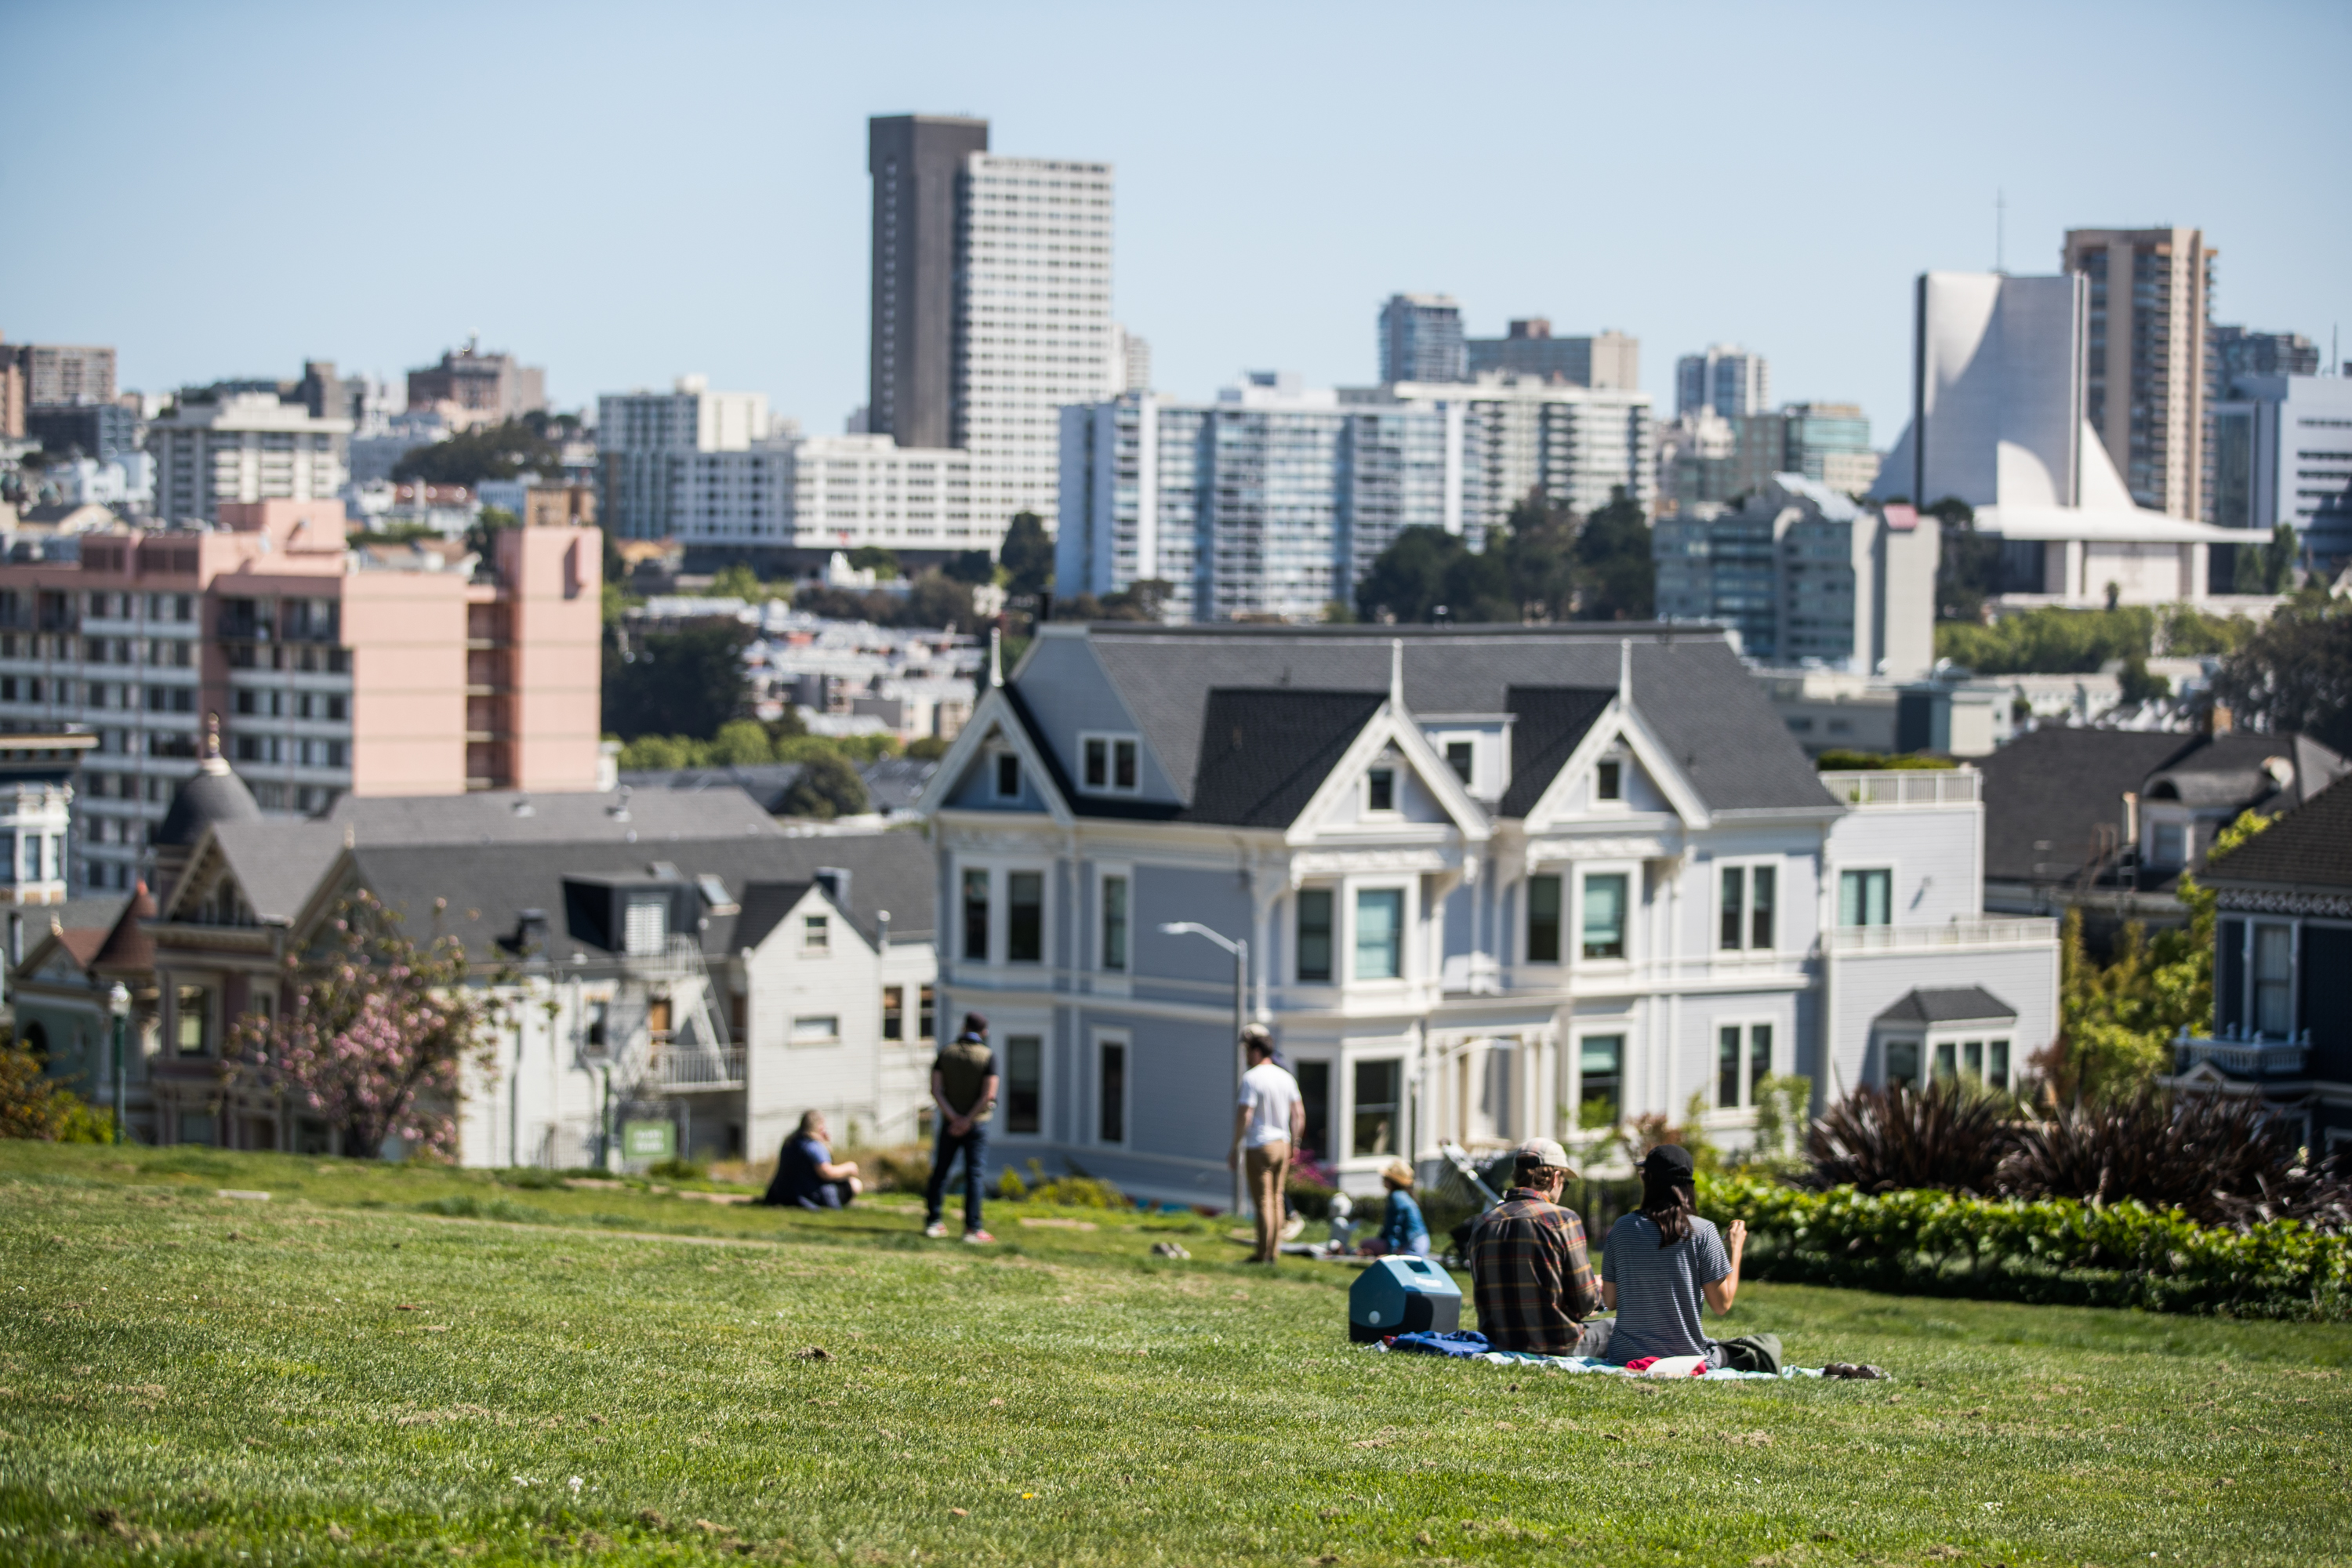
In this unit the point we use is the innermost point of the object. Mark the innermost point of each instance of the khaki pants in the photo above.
(1268, 1167)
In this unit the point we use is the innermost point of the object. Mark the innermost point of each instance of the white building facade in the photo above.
(243, 447)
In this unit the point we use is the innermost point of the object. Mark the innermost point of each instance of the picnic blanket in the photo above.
(1464, 1344)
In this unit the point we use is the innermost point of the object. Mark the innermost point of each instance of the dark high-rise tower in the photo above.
(917, 160)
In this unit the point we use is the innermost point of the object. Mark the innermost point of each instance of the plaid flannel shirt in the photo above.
(1531, 1275)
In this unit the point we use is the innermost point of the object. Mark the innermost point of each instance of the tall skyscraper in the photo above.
(1725, 378)
(1421, 340)
(2145, 382)
(917, 161)
(991, 303)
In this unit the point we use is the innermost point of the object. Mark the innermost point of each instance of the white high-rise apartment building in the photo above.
(1580, 444)
(243, 447)
(1033, 322)
(647, 444)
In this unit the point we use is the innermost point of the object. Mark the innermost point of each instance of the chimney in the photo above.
(2218, 720)
(2131, 816)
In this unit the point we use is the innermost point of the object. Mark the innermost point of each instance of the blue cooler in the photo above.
(1403, 1295)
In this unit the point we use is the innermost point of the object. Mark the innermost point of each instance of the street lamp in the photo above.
(118, 1005)
(1240, 950)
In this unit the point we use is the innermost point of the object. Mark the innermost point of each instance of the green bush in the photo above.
(2041, 1250)
(675, 1169)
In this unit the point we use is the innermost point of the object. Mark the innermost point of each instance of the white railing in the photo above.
(706, 1068)
(2245, 1058)
(2023, 932)
(1906, 786)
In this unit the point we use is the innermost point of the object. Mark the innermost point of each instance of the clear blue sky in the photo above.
(620, 193)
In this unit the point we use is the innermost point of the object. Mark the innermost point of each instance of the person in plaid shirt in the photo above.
(1530, 1274)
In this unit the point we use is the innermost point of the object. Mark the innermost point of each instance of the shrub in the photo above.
(34, 1105)
(677, 1169)
(2220, 1161)
(1952, 1134)
(2043, 1250)
(1074, 1190)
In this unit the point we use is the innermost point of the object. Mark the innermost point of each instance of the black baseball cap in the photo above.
(974, 1023)
(1670, 1162)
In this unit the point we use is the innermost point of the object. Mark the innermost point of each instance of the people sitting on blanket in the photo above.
(807, 1175)
(1662, 1262)
(1402, 1228)
(1529, 1273)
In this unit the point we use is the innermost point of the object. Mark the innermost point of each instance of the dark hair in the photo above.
(1666, 1203)
(1258, 1039)
(974, 1023)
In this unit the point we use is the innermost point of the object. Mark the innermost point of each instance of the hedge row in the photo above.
(2043, 1250)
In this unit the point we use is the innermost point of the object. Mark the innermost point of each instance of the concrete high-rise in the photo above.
(1725, 378)
(918, 164)
(242, 447)
(2144, 374)
(1421, 340)
(1607, 360)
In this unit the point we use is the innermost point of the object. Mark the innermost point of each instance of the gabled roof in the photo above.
(1552, 721)
(1700, 700)
(2310, 846)
(2048, 791)
(276, 864)
(1958, 1005)
(766, 783)
(765, 906)
(129, 946)
(1263, 753)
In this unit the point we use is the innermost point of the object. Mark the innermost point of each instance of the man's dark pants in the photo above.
(974, 1145)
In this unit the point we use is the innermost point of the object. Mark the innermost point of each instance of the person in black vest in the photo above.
(963, 1091)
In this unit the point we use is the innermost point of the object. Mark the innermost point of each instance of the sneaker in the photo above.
(978, 1236)
(937, 1230)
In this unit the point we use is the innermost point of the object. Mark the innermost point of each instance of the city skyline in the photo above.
(1242, 242)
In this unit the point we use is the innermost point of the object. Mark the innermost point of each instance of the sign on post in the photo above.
(653, 1141)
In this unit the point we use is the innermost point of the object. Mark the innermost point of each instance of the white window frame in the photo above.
(1408, 920)
(1933, 1038)
(1000, 912)
(1747, 1024)
(1747, 866)
(1395, 769)
(1621, 1030)
(1400, 1135)
(1337, 889)
(793, 1036)
(1110, 740)
(1125, 1040)
(1618, 753)
(1837, 890)
(1923, 1070)
(816, 924)
(1003, 1028)
(1572, 918)
(1107, 872)
(997, 757)
(1569, 941)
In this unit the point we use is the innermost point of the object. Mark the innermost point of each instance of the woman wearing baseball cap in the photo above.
(1664, 1262)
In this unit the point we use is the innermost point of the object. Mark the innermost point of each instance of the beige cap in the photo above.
(1398, 1170)
(1543, 1151)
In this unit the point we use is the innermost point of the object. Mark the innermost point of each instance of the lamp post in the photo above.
(1240, 950)
(118, 1006)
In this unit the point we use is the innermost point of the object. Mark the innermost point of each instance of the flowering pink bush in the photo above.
(377, 1036)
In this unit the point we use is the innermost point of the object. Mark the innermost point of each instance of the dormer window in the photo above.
(1379, 789)
(1107, 765)
(1609, 781)
(1459, 756)
(1008, 776)
(644, 926)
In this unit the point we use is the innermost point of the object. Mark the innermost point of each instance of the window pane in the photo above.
(1997, 1064)
(816, 934)
(1726, 1065)
(1543, 920)
(1122, 774)
(1113, 1121)
(1458, 754)
(1865, 898)
(1759, 907)
(1735, 890)
(1380, 790)
(1599, 1060)
(894, 1012)
(1947, 1058)
(1759, 1057)
(928, 1010)
(1379, 1097)
(1315, 1100)
(1025, 1084)
(644, 926)
(1972, 1059)
(1604, 916)
(2273, 966)
(1008, 775)
(1609, 781)
(1114, 932)
(193, 1005)
(1098, 763)
(1379, 933)
(975, 915)
(1025, 917)
(1902, 1061)
(1315, 933)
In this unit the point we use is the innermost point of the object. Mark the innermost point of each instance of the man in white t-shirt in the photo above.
(1268, 1122)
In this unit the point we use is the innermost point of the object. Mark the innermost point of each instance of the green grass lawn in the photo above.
(335, 1374)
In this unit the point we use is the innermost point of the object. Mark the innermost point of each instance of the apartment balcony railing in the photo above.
(703, 1067)
(2025, 932)
(2253, 1057)
(1906, 787)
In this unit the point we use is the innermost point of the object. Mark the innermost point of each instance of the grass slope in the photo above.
(189, 1378)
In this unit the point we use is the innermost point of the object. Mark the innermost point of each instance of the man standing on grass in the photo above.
(963, 1091)
(1268, 1124)
(1529, 1271)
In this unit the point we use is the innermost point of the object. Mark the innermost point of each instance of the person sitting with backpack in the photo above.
(1663, 1264)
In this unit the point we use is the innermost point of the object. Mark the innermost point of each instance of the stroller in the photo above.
(1465, 1180)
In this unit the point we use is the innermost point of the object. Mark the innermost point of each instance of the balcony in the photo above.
(1901, 787)
(2253, 1057)
(679, 1067)
(2027, 933)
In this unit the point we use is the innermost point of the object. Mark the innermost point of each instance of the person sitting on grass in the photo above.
(1662, 1262)
(1529, 1272)
(1402, 1228)
(807, 1175)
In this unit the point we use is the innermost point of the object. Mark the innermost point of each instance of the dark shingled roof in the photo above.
(214, 795)
(2048, 791)
(1552, 722)
(1687, 684)
(1263, 753)
(1959, 1004)
(2310, 846)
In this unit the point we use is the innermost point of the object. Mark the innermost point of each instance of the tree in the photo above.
(1407, 580)
(485, 452)
(379, 1035)
(2294, 674)
(1617, 576)
(736, 580)
(972, 566)
(742, 743)
(2268, 568)
(828, 787)
(685, 682)
(936, 599)
(883, 563)
(1539, 553)
(2048, 641)
(1027, 555)
(1968, 572)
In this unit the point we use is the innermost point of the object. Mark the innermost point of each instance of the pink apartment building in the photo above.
(331, 670)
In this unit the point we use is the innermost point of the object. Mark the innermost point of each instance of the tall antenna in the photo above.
(2000, 231)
